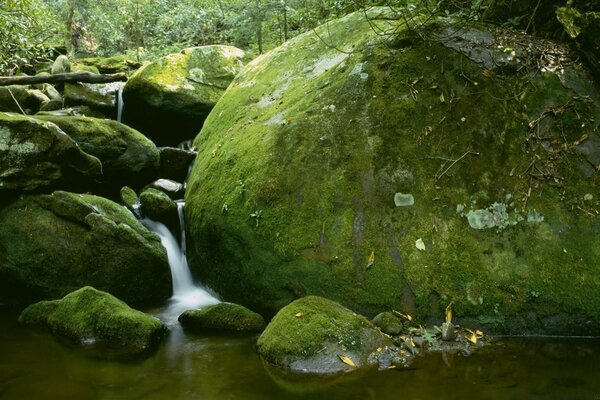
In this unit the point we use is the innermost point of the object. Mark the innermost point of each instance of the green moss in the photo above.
(222, 317)
(158, 206)
(90, 317)
(110, 65)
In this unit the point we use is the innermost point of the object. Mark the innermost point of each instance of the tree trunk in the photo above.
(86, 77)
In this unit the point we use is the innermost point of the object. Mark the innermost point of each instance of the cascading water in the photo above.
(120, 104)
(186, 294)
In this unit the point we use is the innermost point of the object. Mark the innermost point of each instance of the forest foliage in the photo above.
(145, 29)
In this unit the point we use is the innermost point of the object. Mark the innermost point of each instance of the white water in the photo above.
(120, 103)
(186, 294)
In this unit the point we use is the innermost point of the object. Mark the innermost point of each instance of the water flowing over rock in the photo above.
(36, 154)
(53, 244)
(91, 318)
(294, 187)
(168, 99)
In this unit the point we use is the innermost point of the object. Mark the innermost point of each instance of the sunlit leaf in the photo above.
(371, 259)
(298, 315)
(473, 338)
(347, 360)
(419, 244)
(442, 98)
(448, 313)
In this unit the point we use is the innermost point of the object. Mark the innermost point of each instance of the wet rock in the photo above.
(175, 190)
(388, 323)
(158, 206)
(316, 335)
(222, 317)
(175, 163)
(169, 99)
(131, 200)
(127, 156)
(36, 154)
(54, 243)
(94, 319)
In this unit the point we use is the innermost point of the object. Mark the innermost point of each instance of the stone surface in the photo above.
(26, 100)
(91, 318)
(100, 98)
(313, 334)
(53, 244)
(36, 154)
(175, 163)
(158, 206)
(222, 317)
(292, 192)
(388, 323)
(169, 99)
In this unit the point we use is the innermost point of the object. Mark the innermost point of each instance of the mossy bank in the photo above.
(305, 164)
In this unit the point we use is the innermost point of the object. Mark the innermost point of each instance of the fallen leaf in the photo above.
(419, 244)
(371, 259)
(347, 360)
(448, 313)
(408, 317)
(473, 338)
(488, 73)
(298, 315)
(442, 98)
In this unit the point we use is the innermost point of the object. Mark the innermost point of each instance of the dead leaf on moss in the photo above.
(347, 360)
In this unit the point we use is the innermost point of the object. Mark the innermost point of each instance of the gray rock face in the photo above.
(35, 154)
(91, 318)
(53, 244)
(168, 99)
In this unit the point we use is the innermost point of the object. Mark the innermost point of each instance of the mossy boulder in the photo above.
(91, 318)
(130, 199)
(169, 99)
(36, 154)
(110, 65)
(388, 323)
(314, 334)
(127, 156)
(300, 163)
(100, 98)
(53, 244)
(27, 100)
(222, 317)
(158, 206)
(61, 65)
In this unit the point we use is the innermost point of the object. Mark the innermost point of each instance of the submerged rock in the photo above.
(91, 318)
(293, 189)
(127, 156)
(169, 99)
(52, 244)
(222, 317)
(36, 154)
(316, 335)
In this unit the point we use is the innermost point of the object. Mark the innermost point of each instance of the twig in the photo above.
(13, 97)
(455, 161)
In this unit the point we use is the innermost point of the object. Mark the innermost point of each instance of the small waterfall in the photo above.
(120, 103)
(186, 294)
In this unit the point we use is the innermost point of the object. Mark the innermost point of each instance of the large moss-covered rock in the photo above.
(222, 317)
(169, 99)
(36, 154)
(309, 164)
(316, 335)
(53, 244)
(92, 318)
(127, 156)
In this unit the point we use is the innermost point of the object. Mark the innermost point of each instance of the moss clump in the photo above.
(388, 323)
(309, 335)
(89, 317)
(222, 317)
(299, 162)
(179, 90)
(158, 206)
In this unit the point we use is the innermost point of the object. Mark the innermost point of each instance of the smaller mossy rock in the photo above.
(89, 317)
(175, 163)
(17, 98)
(110, 65)
(127, 156)
(98, 97)
(314, 335)
(222, 317)
(130, 199)
(388, 323)
(179, 90)
(52, 105)
(53, 244)
(36, 154)
(158, 206)
(175, 190)
(61, 65)
(85, 68)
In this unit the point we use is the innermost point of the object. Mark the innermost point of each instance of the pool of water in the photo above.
(36, 366)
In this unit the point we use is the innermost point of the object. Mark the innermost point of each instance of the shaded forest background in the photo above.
(37, 30)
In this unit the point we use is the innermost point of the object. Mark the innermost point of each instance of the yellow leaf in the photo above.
(478, 333)
(371, 259)
(473, 338)
(408, 317)
(448, 313)
(347, 360)
(298, 315)
(442, 98)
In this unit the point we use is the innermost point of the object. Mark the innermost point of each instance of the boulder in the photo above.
(27, 100)
(317, 335)
(158, 206)
(61, 65)
(127, 156)
(99, 97)
(94, 319)
(302, 161)
(175, 163)
(388, 323)
(131, 200)
(36, 154)
(168, 99)
(222, 317)
(110, 65)
(53, 244)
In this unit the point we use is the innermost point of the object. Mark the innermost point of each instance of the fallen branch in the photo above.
(439, 176)
(68, 77)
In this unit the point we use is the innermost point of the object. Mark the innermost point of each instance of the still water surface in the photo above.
(36, 366)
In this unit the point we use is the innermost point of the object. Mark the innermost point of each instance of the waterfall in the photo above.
(120, 103)
(186, 294)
